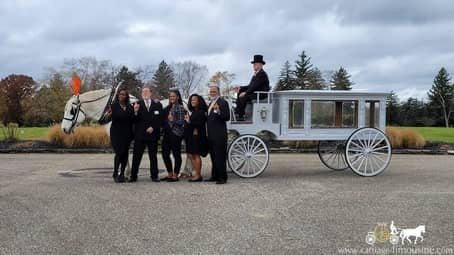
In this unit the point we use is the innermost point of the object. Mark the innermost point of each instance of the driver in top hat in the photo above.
(259, 82)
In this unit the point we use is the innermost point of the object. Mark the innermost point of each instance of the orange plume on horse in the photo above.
(76, 85)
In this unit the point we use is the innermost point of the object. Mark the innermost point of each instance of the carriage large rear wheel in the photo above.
(248, 156)
(368, 151)
(332, 154)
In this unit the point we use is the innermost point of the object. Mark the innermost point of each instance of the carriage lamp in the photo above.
(263, 114)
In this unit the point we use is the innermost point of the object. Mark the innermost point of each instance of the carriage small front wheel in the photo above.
(332, 154)
(248, 156)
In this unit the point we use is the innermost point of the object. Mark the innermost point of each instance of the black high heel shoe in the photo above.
(200, 179)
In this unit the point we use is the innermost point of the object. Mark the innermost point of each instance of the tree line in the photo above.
(31, 102)
(40, 103)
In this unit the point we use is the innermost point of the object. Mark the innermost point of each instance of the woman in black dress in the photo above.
(121, 132)
(195, 134)
(173, 135)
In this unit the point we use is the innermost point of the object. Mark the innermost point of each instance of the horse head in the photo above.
(73, 114)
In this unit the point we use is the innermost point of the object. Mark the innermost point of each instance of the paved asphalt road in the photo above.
(68, 204)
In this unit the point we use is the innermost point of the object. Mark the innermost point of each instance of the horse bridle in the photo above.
(78, 109)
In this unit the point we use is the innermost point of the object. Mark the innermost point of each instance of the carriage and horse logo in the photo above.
(381, 233)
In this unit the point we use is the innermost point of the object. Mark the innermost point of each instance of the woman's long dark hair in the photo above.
(116, 100)
(202, 104)
(177, 92)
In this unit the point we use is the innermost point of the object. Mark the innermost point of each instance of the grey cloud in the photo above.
(384, 44)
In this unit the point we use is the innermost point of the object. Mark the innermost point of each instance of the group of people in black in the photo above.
(202, 127)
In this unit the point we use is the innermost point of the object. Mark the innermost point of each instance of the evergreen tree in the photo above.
(286, 79)
(163, 79)
(129, 80)
(315, 80)
(441, 95)
(302, 71)
(414, 113)
(392, 109)
(341, 80)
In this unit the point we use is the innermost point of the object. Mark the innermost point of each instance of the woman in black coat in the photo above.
(195, 134)
(121, 132)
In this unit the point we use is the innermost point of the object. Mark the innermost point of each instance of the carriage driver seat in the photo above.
(249, 106)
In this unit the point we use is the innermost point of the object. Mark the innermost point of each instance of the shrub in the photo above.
(10, 132)
(412, 139)
(405, 138)
(82, 137)
(395, 137)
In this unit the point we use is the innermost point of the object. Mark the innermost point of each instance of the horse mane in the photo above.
(94, 93)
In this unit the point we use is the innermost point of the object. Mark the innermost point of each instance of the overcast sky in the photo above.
(385, 45)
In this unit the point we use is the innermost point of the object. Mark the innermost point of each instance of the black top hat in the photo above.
(258, 59)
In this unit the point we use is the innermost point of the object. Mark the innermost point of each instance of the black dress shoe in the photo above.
(221, 182)
(132, 180)
(155, 179)
(121, 178)
(115, 176)
(200, 179)
(210, 180)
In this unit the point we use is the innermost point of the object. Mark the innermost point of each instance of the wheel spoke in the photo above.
(258, 167)
(380, 148)
(256, 152)
(361, 163)
(378, 143)
(379, 152)
(357, 145)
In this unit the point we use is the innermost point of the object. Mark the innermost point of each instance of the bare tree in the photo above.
(223, 79)
(95, 74)
(189, 76)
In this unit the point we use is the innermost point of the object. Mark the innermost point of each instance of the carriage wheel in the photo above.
(368, 151)
(332, 154)
(248, 156)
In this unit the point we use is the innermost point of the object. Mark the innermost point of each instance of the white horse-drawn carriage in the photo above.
(350, 128)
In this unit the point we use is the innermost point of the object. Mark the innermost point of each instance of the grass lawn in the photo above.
(432, 134)
(31, 133)
(435, 134)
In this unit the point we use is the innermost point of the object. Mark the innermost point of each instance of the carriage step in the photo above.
(241, 122)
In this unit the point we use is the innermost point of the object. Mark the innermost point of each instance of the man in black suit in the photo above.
(148, 121)
(259, 82)
(218, 114)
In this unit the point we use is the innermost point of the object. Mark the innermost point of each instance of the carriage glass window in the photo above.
(372, 113)
(322, 114)
(334, 114)
(296, 114)
(349, 114)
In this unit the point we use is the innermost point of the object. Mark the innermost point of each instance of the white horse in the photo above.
(416, 232)
(93, 105)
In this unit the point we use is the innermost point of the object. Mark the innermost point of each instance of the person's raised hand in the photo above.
(186, 117)
(149, 130)
(216, 107)
(109, 111)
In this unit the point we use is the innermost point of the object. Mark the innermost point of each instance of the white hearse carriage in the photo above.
(349, 125)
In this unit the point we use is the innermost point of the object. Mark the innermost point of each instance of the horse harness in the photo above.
(78, 104)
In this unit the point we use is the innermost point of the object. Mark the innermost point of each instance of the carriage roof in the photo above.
(332, 93)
